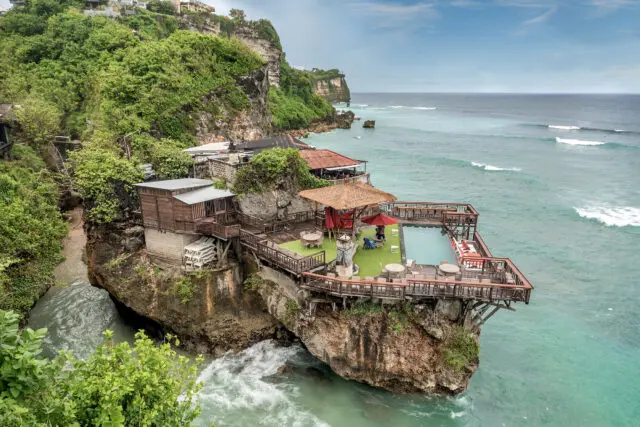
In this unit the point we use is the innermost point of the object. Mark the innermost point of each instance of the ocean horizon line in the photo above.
(498, 93)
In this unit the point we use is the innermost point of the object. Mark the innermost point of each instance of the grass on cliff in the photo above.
(31, 229)
(460, 349)
(370, 261)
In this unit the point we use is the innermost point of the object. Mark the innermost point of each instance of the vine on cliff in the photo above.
(460, 349)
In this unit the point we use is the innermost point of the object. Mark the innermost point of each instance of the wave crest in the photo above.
(560, 127)
(578, 142)
(492, 168)
(616, 216)
(412, 108)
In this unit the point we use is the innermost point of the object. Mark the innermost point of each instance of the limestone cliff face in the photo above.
(218, 124)
(376, 348)
(333, 89)
(267, 49)
(210, 312)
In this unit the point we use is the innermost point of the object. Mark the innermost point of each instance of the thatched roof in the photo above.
(348, 196)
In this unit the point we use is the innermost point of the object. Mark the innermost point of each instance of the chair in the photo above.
(395, 232)
(369, 279)
(410, 263)
(395, 249)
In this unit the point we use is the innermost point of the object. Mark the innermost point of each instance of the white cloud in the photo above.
(542, 17)
(394, 15)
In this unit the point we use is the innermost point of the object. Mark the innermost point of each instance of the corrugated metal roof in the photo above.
(203, 195)
(324, 159)
(282, 141)
(176, 184)
(213, 147)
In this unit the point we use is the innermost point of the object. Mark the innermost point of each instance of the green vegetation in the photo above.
(319, 74)
(185, 287)
(295, 105)
(118, 385)
(31, 229)
(252, 283)
(277, 168)
(95, 79)
(292, 309)
(460, 349)
(164, 7)
(263, 28)
(220, 184)
(363, 309)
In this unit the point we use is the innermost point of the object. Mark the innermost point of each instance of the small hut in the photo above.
(343, 206)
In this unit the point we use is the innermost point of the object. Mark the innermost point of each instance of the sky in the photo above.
(522, 46)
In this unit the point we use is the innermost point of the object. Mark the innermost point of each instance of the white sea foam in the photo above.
(612, 216)
(234, 387)
(560, 127)
(578, 142)
(413, 108)
(492, 168)
(619, 130)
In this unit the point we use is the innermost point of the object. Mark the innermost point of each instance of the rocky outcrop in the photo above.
(210, 311)
(405, 349)
(333, 89)
(340, 120)
(369, 124)
(219, 124)
(273, 205)
(267, 49)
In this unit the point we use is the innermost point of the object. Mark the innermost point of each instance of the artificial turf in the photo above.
(370, 261)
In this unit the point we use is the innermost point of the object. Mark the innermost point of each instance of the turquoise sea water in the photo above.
(566, 211)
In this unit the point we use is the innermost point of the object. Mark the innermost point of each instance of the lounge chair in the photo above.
(369, 244)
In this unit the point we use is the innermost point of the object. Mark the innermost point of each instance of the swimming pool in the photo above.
(427, 245)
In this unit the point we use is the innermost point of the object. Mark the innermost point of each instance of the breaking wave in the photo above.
(578, 142)
(494, 168)
(235, 392)
(560, 127)
(616, 216)
(412, 108)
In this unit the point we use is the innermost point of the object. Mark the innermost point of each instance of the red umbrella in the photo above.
(380, 219)
(328, 219)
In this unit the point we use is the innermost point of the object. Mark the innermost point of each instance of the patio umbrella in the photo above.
(380, 219)
(328, 219)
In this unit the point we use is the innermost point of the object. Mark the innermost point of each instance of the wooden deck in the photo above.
(414, 289)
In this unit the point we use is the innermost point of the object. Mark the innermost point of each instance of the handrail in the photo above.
(419, 288)
(480, 241)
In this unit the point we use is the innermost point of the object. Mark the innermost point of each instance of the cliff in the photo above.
(209, 311)
(333, 89)
(428, 348)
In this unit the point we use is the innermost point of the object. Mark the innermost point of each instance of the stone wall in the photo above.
(166, 245)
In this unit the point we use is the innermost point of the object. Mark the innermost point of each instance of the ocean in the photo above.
(556, 179)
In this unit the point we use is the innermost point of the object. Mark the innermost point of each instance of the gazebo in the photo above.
(344, 204)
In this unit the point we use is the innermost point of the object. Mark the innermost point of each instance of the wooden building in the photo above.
(177, 212)
(335, 167)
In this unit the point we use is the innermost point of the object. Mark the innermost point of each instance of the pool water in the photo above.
(427, 245)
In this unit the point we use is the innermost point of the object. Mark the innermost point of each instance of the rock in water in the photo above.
(369, 124)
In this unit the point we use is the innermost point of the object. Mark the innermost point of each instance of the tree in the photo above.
(237, 15)
(39, 119)
(160, 6)
(118, 385)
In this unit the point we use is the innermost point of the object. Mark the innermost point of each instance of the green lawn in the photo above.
(371, 261)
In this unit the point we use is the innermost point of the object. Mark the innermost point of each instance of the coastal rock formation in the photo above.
(209, 311)
(340, 120)
(273, 205)
(369, 124)
(213, 125)
(334, 89)
(267, 49)
(402, 349)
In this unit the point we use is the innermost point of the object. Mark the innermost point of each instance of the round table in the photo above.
(313, 239)
(395, 270)
(449, 269)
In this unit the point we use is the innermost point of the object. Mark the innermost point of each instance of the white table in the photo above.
(395, 270)
(449, 269)
(313, 239)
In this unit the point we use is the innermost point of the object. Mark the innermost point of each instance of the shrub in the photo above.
(292, 309)
(282, 168)
(460, 349)
(118, 385)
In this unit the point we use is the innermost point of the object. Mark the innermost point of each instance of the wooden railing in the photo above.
(365, 177)
(418, 289)
(427, 211)
(482, 246)
(501, 270)
(218, 230)
(269, 252)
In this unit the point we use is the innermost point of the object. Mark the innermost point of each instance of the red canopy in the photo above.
(380, 219)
